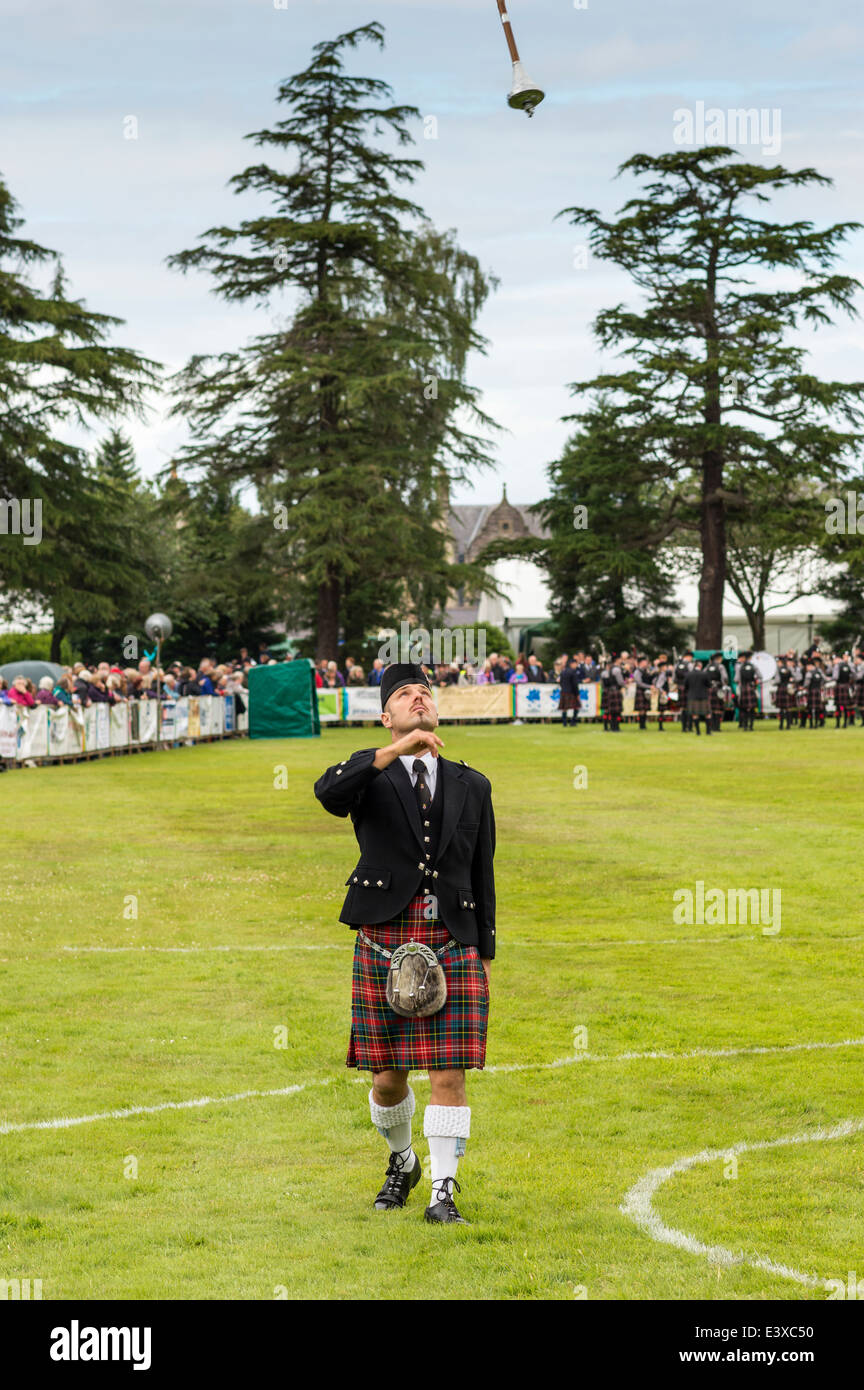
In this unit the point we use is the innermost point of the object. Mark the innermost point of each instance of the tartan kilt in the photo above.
(784, 697)
(814, 699)
(843, 699)
(613, 701)
(716, 701)
(568, 700)
(452, 1038)
(859, 694)
(747, 696)
(642, 703)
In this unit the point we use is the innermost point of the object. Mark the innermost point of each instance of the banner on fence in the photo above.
(8, 731)
(148, 710)
(475, 701)
(194, 725)
(330, 704)
(119, 725)
(33, 735)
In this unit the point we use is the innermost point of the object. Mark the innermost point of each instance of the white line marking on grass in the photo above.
(349, 946)
(661, 1056)
(66, 1122)
(639, 1207)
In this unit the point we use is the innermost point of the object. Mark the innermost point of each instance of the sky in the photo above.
(197, 75)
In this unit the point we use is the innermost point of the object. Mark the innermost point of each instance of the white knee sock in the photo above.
(394, 1123)
(447, 1127)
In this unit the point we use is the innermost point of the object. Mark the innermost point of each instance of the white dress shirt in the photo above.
(429, 761)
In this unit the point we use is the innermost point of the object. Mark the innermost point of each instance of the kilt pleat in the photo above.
(454, 1037)
(747, 696)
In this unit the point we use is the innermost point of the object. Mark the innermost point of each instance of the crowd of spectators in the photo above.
(496, 669)
(80, 686)
(103, 683)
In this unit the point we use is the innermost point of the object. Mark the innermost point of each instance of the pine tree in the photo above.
(56, 371)
(716, 382)
(345, 418)
(607, 558)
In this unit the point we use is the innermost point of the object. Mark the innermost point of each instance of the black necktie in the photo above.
(421, 788)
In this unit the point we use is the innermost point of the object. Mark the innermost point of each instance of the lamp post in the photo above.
(158, 627)
(524, 95)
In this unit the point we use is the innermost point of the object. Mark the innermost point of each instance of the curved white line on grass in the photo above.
(66, 1122)
(639, 1207)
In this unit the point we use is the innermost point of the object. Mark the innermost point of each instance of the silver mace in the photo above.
(524, 95)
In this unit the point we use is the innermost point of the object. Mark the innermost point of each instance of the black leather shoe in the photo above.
(398, 1184)
(445, 1208)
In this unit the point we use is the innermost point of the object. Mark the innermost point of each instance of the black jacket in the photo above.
(390, 871)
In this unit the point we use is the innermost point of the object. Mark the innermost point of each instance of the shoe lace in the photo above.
(395, 1170)
(446, 1192)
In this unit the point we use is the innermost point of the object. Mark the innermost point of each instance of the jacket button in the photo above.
(380, 883)
(420, 865)
(434, 873)
(472, 904)
(426, 823)
(355, 878)
(365, 883)
(426, 839)
(338, 772)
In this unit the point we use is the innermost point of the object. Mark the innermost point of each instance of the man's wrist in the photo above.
(385, 756)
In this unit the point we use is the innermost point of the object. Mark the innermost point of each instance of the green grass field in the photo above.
(255, 1195)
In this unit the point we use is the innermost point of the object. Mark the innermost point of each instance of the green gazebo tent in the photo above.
(283, 700)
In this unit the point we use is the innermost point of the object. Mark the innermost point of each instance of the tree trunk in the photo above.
(712, 580)
(57, 635)
(327, 642)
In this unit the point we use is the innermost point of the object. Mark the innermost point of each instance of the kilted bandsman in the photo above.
(784, 695)
(661, 684)
(814, 686)
(682, 670)
(612, 681)
(858, 673)
(748, 677)
(843, 692)
(697, 687)
(716, 672)
(642, 679)
(426, 832)
(569, 697)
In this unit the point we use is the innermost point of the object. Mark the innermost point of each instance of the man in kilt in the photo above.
(612, 682)
(682, 670)
(858, 674)
(784, 695)
(748, 677)
(716, 672)
(814, 685)
(426, 832)
(569, 684)
(843, 692)
(642, 678)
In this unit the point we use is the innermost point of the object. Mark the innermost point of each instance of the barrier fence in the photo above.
(43, 734)
(527, 700)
